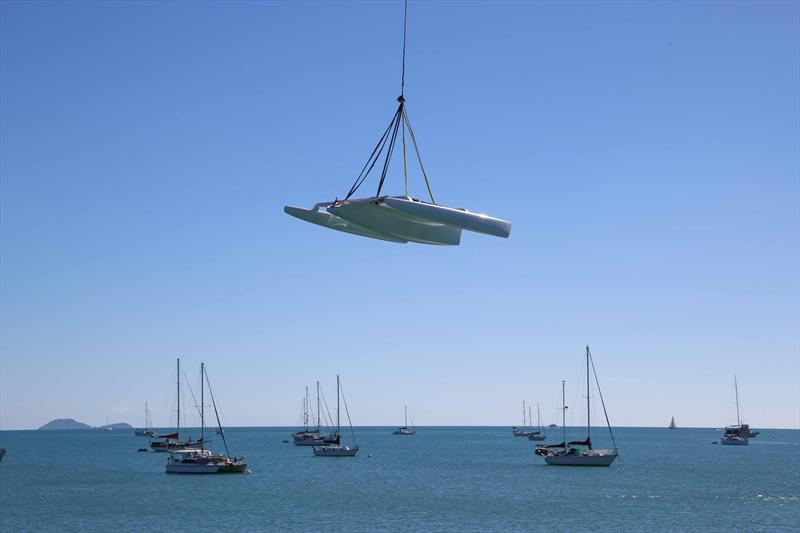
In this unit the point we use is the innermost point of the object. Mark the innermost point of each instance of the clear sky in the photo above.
(646, 153)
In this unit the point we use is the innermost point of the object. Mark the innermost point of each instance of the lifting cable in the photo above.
(399, 121)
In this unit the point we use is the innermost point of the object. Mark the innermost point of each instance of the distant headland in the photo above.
(71, 423)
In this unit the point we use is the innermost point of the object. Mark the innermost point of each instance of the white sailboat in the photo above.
(539, 434)
(739, 434)
(403, 430)
(308, 436)
(147, 431)
(580, 453)
(521, 431)
(337, 450)
(199, 460)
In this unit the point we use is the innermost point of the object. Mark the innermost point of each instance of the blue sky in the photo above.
(646, 153)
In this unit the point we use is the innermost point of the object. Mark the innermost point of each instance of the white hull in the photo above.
(454, 217)
(734, 442)
(376, 215)
(594, 459)
(179, 468)
(400, 219)
(329, 220)
(335, 451)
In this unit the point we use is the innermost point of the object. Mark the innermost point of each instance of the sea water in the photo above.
(441, 479)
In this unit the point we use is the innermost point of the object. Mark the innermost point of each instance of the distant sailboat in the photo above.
(521, 432)
(148, 424)
(739, 434)
(337, 450)
(403, 430)
(539, 434)
(307, 436)
(672, 424)
(580, 453)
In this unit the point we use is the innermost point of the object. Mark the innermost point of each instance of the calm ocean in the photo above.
(442, 479)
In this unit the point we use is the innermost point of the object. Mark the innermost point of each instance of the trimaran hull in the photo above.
(401, 219)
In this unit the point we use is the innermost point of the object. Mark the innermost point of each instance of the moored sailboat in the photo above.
(199, 460)
(337, 450)
(403, 430)
(521, 431)
(148, 424)
(580, 453)
(539, 433)
(739, 434)
(172, 442)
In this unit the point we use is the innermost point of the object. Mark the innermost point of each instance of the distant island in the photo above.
(65, 423)
(71, 423)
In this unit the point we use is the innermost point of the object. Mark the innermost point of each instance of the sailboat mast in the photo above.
(305, 409)
(145, 416)
(202, 407)
(405, 418)
(538, 416)
(338, 423)
(318, 411)
(523, 414)
(736, 388)
(564, 412)
(530, 418)
(588, 406)
(178, 424)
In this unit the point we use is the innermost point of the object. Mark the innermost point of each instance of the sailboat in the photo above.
(672, 424)
(403, 430)
(399, 219)
(337, 450)
(739, 434)
(171, 442)
(521, 432)
(580, 453)
(199, 460)
(147, 431)
(539, 433)
(307, 436)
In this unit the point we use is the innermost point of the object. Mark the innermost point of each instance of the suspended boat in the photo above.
(399, 219)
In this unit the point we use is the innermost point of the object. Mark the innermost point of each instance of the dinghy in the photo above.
(398, 219)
